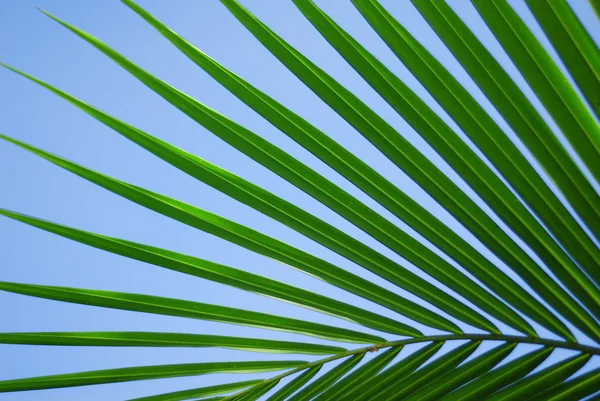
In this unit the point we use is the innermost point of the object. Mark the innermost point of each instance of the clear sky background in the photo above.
(32, 42)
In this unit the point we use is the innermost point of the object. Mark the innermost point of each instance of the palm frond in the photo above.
(535, 269)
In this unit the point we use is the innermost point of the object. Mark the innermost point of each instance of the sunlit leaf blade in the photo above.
(371, 387)
(253, 195)
(355, 211)
(154, 339)
(546, 79)
(494, 143)
(408, 384)
(404, 100)
(418, 167)
(293, 216)
(516, 109)
(325, 381)
(381, 134)
(388, 234)
(198, 392)
(461, 375)
(368, 180)
(573, 44)
(540, 381)
(574, 389)
(182, 308)
(220, 274)
(487, 384)
(482, 226)
(351, 382)
(142, 373)
(283, 393)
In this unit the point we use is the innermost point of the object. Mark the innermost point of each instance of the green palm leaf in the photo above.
(149, 339)
(275, 113)
(516, 109)
(496, 379)
(452, 380)
(416, 165)
(573, 389)
(406, 384)
(142, 373)
(354, 380)
(574, 45)
(325, 381)
(388, 377)
(219, 273)
(536, 216)
(295, 384)
(182, 308)
(545, 78)
(268, 203)
(199, 392)
(542, 380)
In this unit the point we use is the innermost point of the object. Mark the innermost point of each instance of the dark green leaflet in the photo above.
(546, 80)
(463, 374)
(142, 373)
(283, 393)
(383, 380)
(285, 212)
(573, 44)
(182, 308)
(328, 379)
(498, 148)
(153, 339)
(405, 385)
(415, 165)
(257, 391)
(507, 158)
(400, 41)
(516, 109)
(490, 382)
(541, 381)
(199, 392)
(345, 386)
(574, 389)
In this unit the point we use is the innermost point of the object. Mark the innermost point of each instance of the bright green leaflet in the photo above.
(189, 309)
(143, 373)
(150, 339)
(198, 392)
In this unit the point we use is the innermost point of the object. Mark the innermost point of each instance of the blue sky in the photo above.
(32, 42)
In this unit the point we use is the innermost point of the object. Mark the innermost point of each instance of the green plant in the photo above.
(566, 242)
